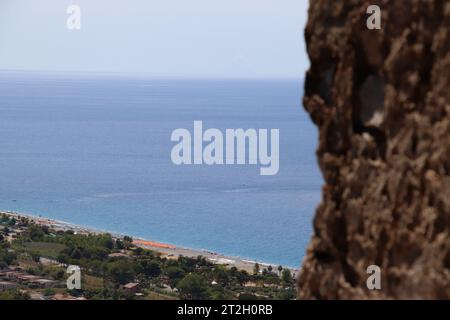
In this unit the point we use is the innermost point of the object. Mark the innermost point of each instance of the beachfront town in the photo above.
(38, 258)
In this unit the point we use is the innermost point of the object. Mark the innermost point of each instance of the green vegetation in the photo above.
(7, 256)
(44, 249)
(13, 295)
(194, 287)
(108, 264)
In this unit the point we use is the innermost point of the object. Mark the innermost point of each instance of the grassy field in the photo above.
(44, 249)
(158, 296)
(92, 283)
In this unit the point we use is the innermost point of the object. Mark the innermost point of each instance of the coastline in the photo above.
(166, 250)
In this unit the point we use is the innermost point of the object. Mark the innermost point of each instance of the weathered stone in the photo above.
(381, 101)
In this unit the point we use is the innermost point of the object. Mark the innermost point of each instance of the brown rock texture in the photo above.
(381, 101)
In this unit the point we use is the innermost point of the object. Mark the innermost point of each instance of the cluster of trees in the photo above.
(7, 220)
(270, 276)
(6, 256)
(14, 295)
(188, 278)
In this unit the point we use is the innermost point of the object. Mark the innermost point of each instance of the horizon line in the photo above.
(154, 75)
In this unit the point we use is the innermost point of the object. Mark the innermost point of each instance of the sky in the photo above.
(187, 38)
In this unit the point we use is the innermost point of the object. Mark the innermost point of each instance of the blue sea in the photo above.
(95, 150)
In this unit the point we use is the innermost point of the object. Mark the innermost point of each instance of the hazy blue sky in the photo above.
(202, 38)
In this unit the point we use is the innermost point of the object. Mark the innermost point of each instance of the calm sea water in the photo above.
(95, 150)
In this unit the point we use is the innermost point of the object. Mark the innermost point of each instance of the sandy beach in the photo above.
(167, 250)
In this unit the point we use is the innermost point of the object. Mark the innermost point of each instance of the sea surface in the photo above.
(95, 150)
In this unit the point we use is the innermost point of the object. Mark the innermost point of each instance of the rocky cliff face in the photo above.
(381, 101)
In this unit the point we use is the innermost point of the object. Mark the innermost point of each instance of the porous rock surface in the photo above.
(381, 102)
